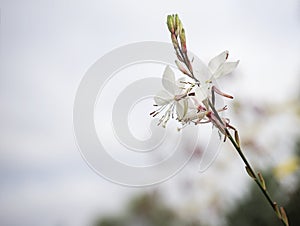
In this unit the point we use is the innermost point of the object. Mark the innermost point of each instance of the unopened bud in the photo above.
(174, 41)
(182, 69)
(250, 172)
(262, 181)
(170, 23)
(277, 211)
(177, 25)
(182, 40)
(284, 216)
(236, 137)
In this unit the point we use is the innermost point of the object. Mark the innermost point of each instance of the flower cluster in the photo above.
(191, 99)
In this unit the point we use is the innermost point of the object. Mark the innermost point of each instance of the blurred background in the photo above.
(47, 46)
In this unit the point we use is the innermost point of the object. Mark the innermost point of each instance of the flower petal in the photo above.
(168, 80)
(193, 103)
(217, 61)
(163, 97)
(180, 85)
(181, 108)
(202, 92)
(201, 71)
(225, 69)
(191, 115)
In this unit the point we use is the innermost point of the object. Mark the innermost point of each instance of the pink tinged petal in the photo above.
(163, 98)
(217, 61)
(216, 90)
(182, 68)
(168, 80)
(225, 69)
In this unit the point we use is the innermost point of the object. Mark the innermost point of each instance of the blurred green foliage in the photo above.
(147, 210)
(150, 210)
(254, 210)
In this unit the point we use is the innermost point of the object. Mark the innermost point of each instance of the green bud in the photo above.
(177, 20)
(176, 24)
(237, 138)
(277, 211)
(170, 23)
(182, 40)
(284, 216)
(262, 181)
(250, 173)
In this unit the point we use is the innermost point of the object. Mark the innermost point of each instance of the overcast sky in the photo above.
(47, 46)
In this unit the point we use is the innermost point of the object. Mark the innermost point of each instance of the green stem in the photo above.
(243, 157)
(236, 146)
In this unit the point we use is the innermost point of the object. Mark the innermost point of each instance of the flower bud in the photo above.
(174, 41)
(182, 69)
(284, 216)
(277, 211)
(170, 23)
(250, 172)
(176, 25)
(262, 181)
(182, 40)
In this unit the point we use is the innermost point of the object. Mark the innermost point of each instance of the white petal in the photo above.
(181, 108)
(163, 97)
(202, 73)
(191, 115)
(193, 103)
(180, 85)
(202, 92)
(217, 61)
(168, 80)
(225, 69)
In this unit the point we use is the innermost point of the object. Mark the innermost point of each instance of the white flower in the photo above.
(219, 67)
(196, 110)
(172, 88)
(203, 91)
(167, 95)
(189, 99)
(172, 97)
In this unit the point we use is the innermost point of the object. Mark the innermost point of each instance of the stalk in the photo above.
(257, 177)
(177, 32)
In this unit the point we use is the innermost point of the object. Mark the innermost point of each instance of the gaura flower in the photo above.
(198, 107)
(189, 100)
(219, 67)
(172, 97)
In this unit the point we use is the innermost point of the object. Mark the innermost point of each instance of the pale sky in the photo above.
(47, 46)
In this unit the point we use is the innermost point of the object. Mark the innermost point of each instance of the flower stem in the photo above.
(175, 27)
(257, 177)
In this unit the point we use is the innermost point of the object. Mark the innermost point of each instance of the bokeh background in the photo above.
(47, 46)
